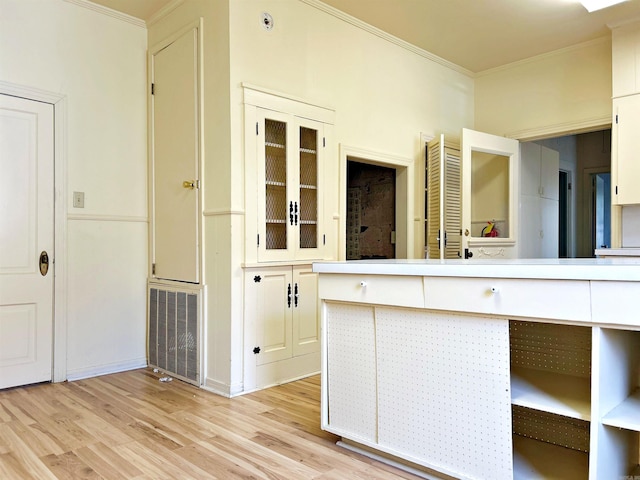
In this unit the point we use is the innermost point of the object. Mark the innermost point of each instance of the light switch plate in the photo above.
(78, 199)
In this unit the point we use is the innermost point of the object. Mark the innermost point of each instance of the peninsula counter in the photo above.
(485, 369)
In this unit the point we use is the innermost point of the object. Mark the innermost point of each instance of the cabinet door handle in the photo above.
(296, 212)
(289, 295)
(291, 213)
(295, 295)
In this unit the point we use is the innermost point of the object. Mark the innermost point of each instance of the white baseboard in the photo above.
(97, 370)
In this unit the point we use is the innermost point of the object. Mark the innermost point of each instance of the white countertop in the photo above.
(620, 269)
(618, 252)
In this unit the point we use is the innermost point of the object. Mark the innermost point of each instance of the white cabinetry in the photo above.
(539, 201)
(522, 377)
(284, 151)
(615, 435)
(625, 154)
(282, 304)
(625, 144)
(625, 59)
(284, 158)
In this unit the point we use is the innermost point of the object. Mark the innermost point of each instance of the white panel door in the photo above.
(490, 186)
(26, 230)
(306, 320)
(275, 307)
(176, 141)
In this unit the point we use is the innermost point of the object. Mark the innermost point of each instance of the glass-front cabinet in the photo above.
(288, 187)
(286, 143)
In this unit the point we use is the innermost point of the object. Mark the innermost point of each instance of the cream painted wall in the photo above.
(223, 215)
(98, 63)
(384, 95)
(562, 92)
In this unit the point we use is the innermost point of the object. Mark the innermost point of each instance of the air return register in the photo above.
(174, 332)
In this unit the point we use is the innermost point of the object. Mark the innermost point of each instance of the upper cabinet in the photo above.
(625, 59)
(285, 141)
(625, 148)
(625, 164)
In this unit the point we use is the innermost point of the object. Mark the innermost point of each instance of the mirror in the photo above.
(489, 195)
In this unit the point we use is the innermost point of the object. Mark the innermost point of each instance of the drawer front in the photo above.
(615, 302)
(372, 289)
(549, 299)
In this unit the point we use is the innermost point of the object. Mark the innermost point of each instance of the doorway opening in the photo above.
(600, 210)
(564, 214)
(371, 211)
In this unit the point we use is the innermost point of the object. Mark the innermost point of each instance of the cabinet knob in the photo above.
(495, 290)
(363, 284)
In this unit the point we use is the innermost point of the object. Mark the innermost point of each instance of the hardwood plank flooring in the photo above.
(132, 426)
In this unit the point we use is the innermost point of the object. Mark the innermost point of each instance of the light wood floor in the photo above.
(132, 426)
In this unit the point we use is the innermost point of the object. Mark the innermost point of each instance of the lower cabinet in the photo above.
(282, 311)
(484, 397)
(429, 387)
(615, 434)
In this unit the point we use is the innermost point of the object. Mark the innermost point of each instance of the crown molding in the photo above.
(537, 58)
(109, 12)
(164, 11)
(386, 36)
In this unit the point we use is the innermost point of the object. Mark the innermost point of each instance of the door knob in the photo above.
(44, 263)
(191, 184)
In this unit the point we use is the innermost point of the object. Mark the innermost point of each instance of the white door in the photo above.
(26, 233)
(444, 208)
(490, 166)
(175, 169)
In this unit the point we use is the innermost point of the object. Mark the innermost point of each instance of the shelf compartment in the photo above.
(627, 414)
(551, 392)
(546, 445)
(551, 367)
(618, 453)
(533, 459)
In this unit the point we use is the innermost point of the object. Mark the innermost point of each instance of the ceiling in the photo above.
(475, 34)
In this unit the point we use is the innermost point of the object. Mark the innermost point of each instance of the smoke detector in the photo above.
(267, 21)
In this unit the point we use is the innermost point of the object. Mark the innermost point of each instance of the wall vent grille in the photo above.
(174, 340)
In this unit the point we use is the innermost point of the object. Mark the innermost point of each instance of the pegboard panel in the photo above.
(551, 428)
(551, 347)
(351, 363)
(444, 390)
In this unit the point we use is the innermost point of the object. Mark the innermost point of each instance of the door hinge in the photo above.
(616, 118)
(153, 89)
(324, 142)
(324, 239)
(569, 186)
(257, 128)
(616, 189)
(258, 239)
(153, 269)
(256, 350)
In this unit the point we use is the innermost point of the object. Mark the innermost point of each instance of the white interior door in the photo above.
(490, 186)
(176, 172)
(26, 230)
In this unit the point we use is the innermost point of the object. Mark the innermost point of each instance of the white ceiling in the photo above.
(475, 34)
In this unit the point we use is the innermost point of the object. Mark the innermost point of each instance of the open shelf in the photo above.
(551, 392)
(625, 415)
(533, 459)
